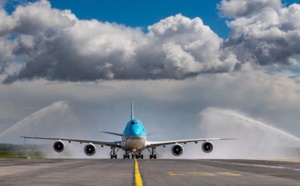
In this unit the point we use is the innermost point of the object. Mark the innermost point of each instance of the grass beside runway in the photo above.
(21, 154)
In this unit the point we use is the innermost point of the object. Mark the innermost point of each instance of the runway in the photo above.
(152, 172)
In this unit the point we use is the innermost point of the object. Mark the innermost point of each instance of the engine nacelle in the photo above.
(177, 150)
(58, 146)
(207, 147)
(90, 149)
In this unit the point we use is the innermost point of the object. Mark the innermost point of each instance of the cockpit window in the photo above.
(134, 123)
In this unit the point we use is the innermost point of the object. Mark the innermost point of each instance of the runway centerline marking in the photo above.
(137, 175)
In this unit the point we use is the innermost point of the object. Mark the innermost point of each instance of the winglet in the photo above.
(132, 111)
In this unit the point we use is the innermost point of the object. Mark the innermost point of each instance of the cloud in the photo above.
(185, 47)
(65, 48)
(68, 49)
(243, 8)
(6, 55)
(163, 105)
(267, 36)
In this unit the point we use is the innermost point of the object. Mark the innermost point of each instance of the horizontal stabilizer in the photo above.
(112, 133)
(152, 133)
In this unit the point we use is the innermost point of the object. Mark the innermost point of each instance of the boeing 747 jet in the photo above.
(133, 142)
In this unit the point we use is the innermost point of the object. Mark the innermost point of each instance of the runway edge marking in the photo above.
(137, 175)
(258, 165)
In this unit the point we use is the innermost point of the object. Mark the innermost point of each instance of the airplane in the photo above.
(134, 142)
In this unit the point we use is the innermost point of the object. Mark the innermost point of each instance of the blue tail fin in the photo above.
(132, 111)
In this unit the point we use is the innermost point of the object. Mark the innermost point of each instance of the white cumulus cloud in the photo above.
(65, 48)
(68, 49)
(270, 36)
(243, 8)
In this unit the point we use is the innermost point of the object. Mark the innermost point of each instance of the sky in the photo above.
(141, 14)
(70, 68)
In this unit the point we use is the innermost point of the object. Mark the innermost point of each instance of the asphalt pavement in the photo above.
(152, 172)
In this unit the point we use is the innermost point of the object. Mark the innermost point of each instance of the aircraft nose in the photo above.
(136, 130)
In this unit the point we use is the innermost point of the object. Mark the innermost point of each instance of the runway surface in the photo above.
(152, 172)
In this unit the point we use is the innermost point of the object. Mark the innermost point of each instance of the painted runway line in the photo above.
(137, 175)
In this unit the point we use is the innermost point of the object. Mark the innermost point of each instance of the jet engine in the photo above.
(177, 150)
(90, 149)
(58, 146)
(207, 147)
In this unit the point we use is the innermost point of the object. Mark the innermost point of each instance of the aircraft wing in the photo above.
(163, 143)
(105, 143)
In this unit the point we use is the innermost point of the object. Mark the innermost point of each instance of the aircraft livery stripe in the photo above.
(138, 178)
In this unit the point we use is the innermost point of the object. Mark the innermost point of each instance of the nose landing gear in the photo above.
(137, 155)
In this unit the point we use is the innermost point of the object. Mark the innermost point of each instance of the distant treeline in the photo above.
(15, 147)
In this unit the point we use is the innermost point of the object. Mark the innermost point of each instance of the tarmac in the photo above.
(159, 172)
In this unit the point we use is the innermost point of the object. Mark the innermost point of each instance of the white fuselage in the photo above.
(134, 143)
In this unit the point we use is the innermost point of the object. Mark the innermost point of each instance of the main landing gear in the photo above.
(137, 155)
(113, 153)
(126, 155)
(152, 153)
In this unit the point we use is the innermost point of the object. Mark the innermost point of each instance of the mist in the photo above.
(49, 120)
(259, 140)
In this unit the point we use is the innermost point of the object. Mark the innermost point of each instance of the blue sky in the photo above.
(136, 13)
